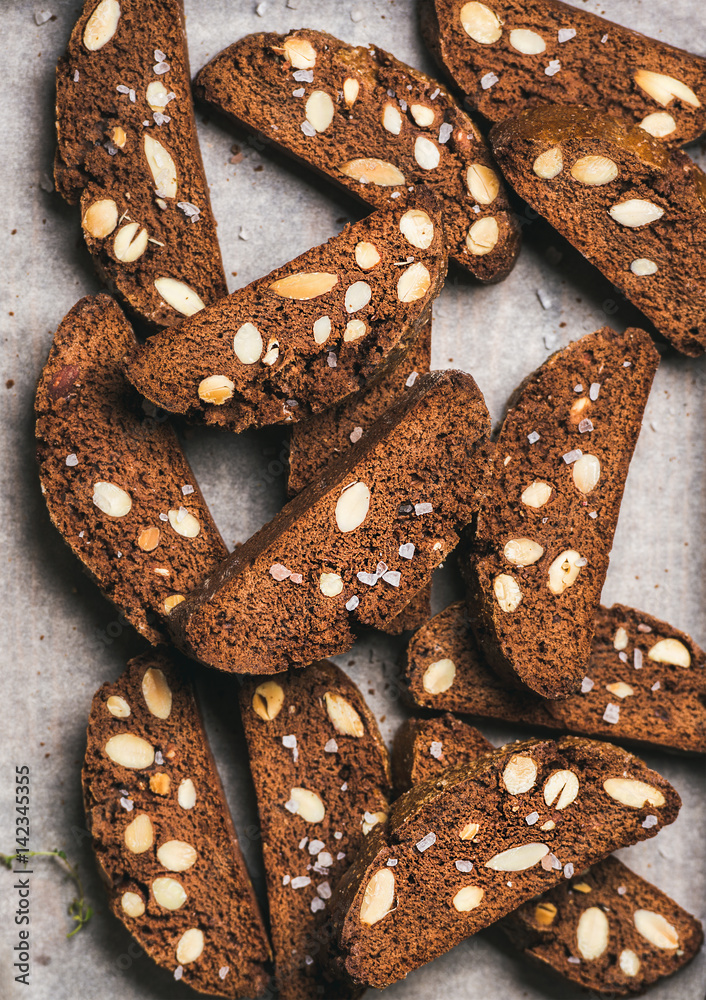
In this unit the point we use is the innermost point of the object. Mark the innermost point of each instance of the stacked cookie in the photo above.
(392, 468)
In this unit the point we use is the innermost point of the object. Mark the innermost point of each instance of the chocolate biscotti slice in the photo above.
(314, 442)
(355, 545)
(322, 779)
(645, 681)
(606, 928)
(635, 210)
(128, 150)
(163, 836)
(374, 126)
(310, 333)
(507, 55)
(458, 853)
(113, 474)
(546, 524)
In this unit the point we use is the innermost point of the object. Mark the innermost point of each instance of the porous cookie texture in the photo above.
(374, 126)
(605, 928)
(129, 152)
(545, 527)
(324, 436)
(115, 479)
(635, 210)
(507, 55)
(163, 836)
(322, 780)
(310, 333)
(458, 853)
(338, 553)
(608, 930)
(645, 681)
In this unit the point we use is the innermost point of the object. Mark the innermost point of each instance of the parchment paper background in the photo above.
(60, 639)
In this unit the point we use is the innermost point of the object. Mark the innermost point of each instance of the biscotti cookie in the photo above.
(645, 681)
(458, 853)
(546, 525)
(634, 209)
(314, 442)
(115, 480)
(374, 126)
(605, 928)
(355, 545)
(307, 335)
(163, 836)
(128, 149)
(508, 55)
(322, 780)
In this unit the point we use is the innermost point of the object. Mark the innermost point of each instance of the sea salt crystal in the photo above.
(656, 686)
(649, 821)
(436, 749)
(338, 835)
(433, 96)
(392, 577)
(42, 16)
(593, 513)
(331, 746)
(611, 714)
(296, 578)
(315, 846)
(308, 129)
(604, 39)
(331, 360)
(299, 92)
(317, 904)
(340, 856)
(578, 387)
(300, 882)
(573, 961)
(425, 842)
(303, 75)
(623, 656)
(566, 34)
(190, 211)
(533, 437)
(127, 804)
(572, 456)
(531, 818)
(369, 579)
(158, 758)
(488, 81)
(637, 659)
(407, 550)
(644, 628)
(76, 76)
(568, 870)
(223, 971)
(464, 866)
(585, 426)
(290, 742)
(445, 132)
(411, 379)
(122, 89)
(621, 890)
(161, 67)
(352, 603)
(356, 434)
(324, 890)
(72, 460)
(391, 862)
(178, 972)
(344, 786)
(586, 685)
(553, 68)
(159, 56)
(594, 390)
(422, 508)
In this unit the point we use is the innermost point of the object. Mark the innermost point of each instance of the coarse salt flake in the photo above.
(352, 603)
(426, 842)
(594, 390)
(331, 746)
(178, 972)
(649, 821)
(488, 81)
(279, 572)
(223, 971)
(531, 818)
(586, 685)
(317, 904)
(356, 434)
(436, 749)
(533, 437)
(637, 659)
(568, 870)
(300, 882)
(445, 132)
(611, 714)
(308, 129)
(585, 426)
(411, 379)
(331, 360)
(422, 508)
(72, 460)
(464, 866)
(392, 577)
(407, 550)
(303, 75)
(566, 34)
(553, 68)
(572, 456)
(656, 686)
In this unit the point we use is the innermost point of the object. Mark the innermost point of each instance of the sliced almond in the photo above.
(586, 471)
(139, 835)
(319, 110)
(520, 774)
(179, 296)
(620, 639)
(357, 296)
(216, 389)
(101, 25)
(148, 540)
(592, 933)
(536, 494)
(629, 962)
(160, 784)
(378, 898)
(330, 584)
(392, 119)
(131, 751)
(130, 242)
(659, 124)
(355, 329)
(670, 651)
(118, 136)
(545, 914)
(439, 676)
(190, 946)
(176, 856)
(467, 898)
(367, 170)
(117, 706)
(483, 236)
(299, 52)
(522, 551)
(469, 831)
(635, 212)
(422, 114)
(186, 794)
(132, 904)
(483, 183)
(157, 95)
(344, 718)
(184, 523)
(549, 164)
(620, 689)
(413, 283)
(426, 153)
(480, 23)
(247, 344)
(366, 256)
(307, 804)
(526, 41)
(304, 285)
(633, 793)
(564, 571)
(351, 88)
(507, 592)
(157, 693)
(371, 820)
(518, 859)
(172, 601)
(169, 893)
(268, 700)
(663, 88)
(272, 352)
(594, 170)
(643, 266)
(100, 218)
(111, 499)
(352, 507)
(561, 789)
(417, 228)
(162, 167)
(656, 929)
(322, 329)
